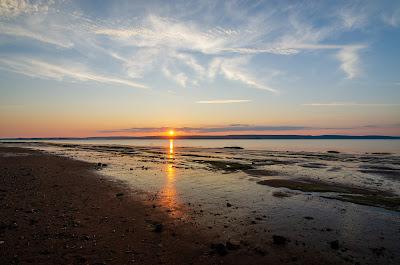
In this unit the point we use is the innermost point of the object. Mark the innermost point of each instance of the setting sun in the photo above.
(171, 132)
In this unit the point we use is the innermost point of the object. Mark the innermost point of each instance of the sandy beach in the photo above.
(56, 210)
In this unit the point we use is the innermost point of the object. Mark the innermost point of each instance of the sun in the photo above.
(171, 132)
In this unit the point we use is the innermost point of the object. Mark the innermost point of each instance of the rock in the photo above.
(158, 228)
(233, 147)
(32, 221)
(119, 194)
(232, 245)
(280, 194)
(334, 244)
(308, 218)
(228, 204)
(279, 240)
(260, 251)
(220, 249)
(333, 152)
(378, 251)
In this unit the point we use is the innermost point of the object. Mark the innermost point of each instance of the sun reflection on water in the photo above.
(171, 147)
(169, 195)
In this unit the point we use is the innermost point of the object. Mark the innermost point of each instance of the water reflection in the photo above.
(171, 147)
(169, 195)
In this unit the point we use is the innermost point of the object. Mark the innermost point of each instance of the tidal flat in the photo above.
(299, 206)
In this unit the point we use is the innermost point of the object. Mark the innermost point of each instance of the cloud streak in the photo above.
(242, 128)
(45, 70)
(211, 129)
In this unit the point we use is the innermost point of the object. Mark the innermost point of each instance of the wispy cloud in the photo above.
(349, 104)
(233, 69)
(45, 70)
(392, 18)
(350, 60)
(223, 101)
(12, 8)
(199, 43)
(244, 128)
(209, 129)
(353, 15)
(18, 31)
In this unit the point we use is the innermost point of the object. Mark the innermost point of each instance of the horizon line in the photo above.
(227, 136)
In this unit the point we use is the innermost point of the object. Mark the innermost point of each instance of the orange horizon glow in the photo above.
(7, 133)
(92, 131)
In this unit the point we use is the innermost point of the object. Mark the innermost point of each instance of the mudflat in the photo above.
(56, 210)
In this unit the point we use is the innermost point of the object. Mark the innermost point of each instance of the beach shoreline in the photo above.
(61, 211)
(56, 210)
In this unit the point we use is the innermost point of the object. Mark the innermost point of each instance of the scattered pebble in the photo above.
(334, 244)
(220, 249)
(279, 240)
(158, 228)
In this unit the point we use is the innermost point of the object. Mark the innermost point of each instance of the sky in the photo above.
(103, 68)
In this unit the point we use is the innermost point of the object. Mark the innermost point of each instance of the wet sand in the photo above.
(55, 210)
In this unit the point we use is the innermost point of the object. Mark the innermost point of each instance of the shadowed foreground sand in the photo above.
(56, 210)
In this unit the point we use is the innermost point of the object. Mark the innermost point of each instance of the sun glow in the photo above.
(171, 132)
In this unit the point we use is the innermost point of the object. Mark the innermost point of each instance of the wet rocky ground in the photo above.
(344, 207)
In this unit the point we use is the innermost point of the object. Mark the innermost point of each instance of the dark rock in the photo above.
(228, 205)
(308, 218)
(279, 240)
(260, 251)
(220, 249)
(333, 152)
(158, 228)
(334, 244)
(378, 251)
(32, 221)
(119, 194)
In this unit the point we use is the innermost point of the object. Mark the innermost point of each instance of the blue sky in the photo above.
(79, 68)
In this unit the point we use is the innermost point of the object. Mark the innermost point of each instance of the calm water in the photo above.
(347, 146)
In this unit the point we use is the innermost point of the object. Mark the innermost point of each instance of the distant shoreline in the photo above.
(221, 137)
